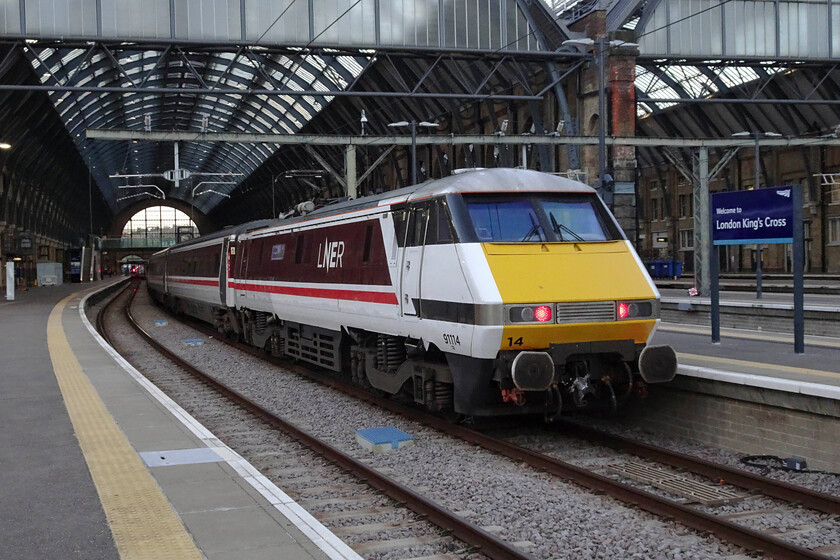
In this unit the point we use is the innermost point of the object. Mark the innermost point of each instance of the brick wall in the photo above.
(746, 420)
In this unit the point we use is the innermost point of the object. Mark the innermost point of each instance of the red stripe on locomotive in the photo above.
(328, 293)
(194, 281)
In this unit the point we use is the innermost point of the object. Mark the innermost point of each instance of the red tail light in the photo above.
(542, 313)
(623, 310)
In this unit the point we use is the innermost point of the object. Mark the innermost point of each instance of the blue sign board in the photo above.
(756, 217)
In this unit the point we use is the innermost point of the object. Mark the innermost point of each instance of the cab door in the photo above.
(240, 269)
(164, 266)
(225, 284)
(412, 264)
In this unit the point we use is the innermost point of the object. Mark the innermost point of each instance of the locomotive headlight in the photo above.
(634, 310)
(539, 313)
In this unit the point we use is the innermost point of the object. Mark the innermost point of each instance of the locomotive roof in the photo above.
(502, 179)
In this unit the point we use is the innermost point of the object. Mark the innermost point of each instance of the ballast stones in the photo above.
(380, 440)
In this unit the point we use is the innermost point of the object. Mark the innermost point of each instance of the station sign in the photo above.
(756, 217)
(25, 243)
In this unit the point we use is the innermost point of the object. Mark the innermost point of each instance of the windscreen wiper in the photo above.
(535, 229)
(560, 228)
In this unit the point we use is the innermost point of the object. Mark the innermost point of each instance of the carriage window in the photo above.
(299, 249)
(368, 240)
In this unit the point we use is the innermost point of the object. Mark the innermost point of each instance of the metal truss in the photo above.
(248, 89)
(829, 179)
(663, 83)
(295, 66)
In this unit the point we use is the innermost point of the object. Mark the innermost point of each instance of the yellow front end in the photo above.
(549, 273)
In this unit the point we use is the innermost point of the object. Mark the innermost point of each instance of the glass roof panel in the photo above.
(186, 110)
(692, 79)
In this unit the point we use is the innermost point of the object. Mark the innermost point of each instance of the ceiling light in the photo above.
(5, 145)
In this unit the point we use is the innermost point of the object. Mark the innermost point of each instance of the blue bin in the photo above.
(670, 269)
(664, 268)
(661, 269)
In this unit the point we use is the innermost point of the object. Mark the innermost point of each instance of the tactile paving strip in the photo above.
(670, 482)
(142, 521)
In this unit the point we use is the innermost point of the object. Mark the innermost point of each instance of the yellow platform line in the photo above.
(701, 360)
(824, 342)
(142, 521)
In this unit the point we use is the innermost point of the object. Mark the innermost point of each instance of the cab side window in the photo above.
(440, 230)
(417, 221)
(400, 225)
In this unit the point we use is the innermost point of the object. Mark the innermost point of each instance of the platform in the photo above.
(756, 346)
(182, 489)
(97, 463)
(750, 393)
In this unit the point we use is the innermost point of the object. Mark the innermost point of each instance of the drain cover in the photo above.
(670, 482)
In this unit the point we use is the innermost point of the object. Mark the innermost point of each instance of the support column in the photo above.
(350, 170)
(10, 281)
(609, 110)
(177, 169)
(621, 94)
(587, 102)
(702, 237)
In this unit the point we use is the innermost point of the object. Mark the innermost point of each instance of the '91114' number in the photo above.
(452, 339)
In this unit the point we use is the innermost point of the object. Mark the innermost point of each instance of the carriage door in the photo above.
(413, 260)
(240, 265)
(225, 292)
(165, 272)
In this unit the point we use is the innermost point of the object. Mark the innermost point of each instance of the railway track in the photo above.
(720, 526)
(724, 528)
(373, 513)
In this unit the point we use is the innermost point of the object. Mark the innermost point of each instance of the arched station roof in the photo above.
(254, 66)
(705, 69)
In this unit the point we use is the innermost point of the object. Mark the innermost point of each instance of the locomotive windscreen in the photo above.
(537, 217)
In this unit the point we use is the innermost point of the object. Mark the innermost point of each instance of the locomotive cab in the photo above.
(573, 312)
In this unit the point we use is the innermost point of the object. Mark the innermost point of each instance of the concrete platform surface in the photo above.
(98, 463)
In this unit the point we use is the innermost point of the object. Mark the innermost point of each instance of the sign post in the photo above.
(10, 281)
(798, 273)
(757, 217)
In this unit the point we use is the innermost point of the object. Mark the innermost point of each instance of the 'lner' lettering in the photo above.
(330, 254)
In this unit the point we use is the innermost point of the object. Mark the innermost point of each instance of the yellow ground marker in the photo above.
(142, 521)
(825, 342)
(701, 360)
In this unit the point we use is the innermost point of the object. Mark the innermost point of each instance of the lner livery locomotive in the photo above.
(490, 292)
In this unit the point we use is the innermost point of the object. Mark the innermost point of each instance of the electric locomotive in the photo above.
(490, 292)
